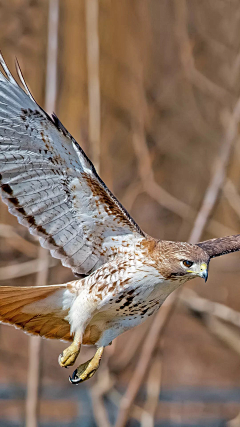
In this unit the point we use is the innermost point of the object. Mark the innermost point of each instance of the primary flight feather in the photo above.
(48, 182)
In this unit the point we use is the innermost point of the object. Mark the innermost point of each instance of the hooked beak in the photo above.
(204, 272)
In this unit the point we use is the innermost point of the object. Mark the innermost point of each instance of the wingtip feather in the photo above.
(6, 70)
(22, 80)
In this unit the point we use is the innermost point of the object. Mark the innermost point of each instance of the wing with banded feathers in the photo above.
(48, 182)
(221, 246)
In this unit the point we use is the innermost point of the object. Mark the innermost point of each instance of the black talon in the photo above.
(74, 379)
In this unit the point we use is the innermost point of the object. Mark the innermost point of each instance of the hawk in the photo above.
(51, 186)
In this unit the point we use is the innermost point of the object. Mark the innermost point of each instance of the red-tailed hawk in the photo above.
(48, 182)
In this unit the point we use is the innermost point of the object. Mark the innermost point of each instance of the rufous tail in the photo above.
(37, 310)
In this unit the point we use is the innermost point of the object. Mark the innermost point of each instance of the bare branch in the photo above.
(219, 175)
(43, 258)
(153, 388)
(232, 196)
(24, 269)
(123, 358)
(103, 385)
(94, 117)
(136, 410)
(52, 53)
(133, 191)
(18, 242)
(147, 177)
(192, 301)
(210, 312)
(161, 196)
(222, 332)
(194, 75)
(34, 353)
(33, 382)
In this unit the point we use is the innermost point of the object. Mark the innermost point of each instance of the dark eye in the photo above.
(187, 263)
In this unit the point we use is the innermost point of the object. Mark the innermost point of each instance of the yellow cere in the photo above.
(203, 266)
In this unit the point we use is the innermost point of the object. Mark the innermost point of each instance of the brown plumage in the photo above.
(221, 245)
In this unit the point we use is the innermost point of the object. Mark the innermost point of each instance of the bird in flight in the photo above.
(123, 274)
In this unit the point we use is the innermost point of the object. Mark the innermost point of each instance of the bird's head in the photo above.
(181, 261)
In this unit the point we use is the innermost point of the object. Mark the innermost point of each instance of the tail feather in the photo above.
(37, 310)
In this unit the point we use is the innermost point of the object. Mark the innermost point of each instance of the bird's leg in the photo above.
(86, 370)
(69, 355)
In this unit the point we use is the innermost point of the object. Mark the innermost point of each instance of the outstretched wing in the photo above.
(48, 182)
(221, 246)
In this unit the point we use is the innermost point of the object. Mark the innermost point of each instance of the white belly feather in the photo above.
(114, 299)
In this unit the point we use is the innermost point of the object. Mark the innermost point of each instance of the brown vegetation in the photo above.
(150, 90)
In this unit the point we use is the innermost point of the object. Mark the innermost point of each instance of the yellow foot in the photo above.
(69, 355)
(86, 370)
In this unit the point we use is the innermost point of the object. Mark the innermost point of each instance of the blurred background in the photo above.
(150, 89)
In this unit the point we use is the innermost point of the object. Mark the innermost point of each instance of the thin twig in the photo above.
(218, 229)
(32, 400)
(161, 196)
(100, 388)
(193, 301)
(153, 388)
(147, 177)
(132, 192)
(115, 396)
(222, 332)
(219, 175)
(92, 39)
(197, 78)
(50, 103)
(123, 358)
(32, 403)
(52, 57)
(103, 383)
(18, 242)
(209, 314)
(232, 196)
(187, 59)
(24, 269)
